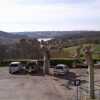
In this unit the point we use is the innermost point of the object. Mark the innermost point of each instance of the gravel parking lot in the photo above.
(28, 87)
(37, 87)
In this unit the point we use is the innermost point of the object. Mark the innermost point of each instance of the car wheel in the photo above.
(55, 74)
(11, 72)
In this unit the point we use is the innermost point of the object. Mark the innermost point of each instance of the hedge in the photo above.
(61, 61)
(4, 63)
(52, 61)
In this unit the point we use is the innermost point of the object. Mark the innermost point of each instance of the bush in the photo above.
(53, 62)
(4, 63)
(68, 62)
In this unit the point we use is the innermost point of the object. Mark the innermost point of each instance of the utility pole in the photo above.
(89, 60)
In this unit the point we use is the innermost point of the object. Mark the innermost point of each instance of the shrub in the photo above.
(4, 63)
(64, 61)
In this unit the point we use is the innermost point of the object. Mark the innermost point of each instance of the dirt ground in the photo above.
(38, 87)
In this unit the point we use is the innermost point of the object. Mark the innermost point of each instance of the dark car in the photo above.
(32, 66)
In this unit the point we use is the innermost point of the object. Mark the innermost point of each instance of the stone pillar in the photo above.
(46, 63)
(89, 60)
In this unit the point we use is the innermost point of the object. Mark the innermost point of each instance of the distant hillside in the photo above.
(61, 34)
(80, 34)
(41, 34)
(6, 37)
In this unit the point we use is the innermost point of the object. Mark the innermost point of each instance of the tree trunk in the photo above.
(88, 56)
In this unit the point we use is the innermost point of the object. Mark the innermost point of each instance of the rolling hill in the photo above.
(6, 37)
(63, 35)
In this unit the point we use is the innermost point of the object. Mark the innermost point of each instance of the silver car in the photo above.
(15, 67)
(61, 69)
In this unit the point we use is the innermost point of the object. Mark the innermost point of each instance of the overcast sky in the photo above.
(49, 15)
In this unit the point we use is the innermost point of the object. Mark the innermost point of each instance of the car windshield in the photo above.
(59, 67)
(14, 65)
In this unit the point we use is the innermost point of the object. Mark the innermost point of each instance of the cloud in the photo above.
(29, 2)
(21, 15)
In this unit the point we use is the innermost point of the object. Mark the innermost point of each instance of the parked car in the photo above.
(61, 69)
(97, 64)
(15, 67)
(32, 66)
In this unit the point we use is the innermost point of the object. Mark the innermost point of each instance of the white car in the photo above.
(15, 67)
(61, 69)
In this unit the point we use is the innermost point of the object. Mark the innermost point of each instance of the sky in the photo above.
(49, 15)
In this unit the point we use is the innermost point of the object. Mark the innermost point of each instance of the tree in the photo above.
(28, 48)
(3, 52)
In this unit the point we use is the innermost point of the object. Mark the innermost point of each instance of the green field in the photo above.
(71, 51)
